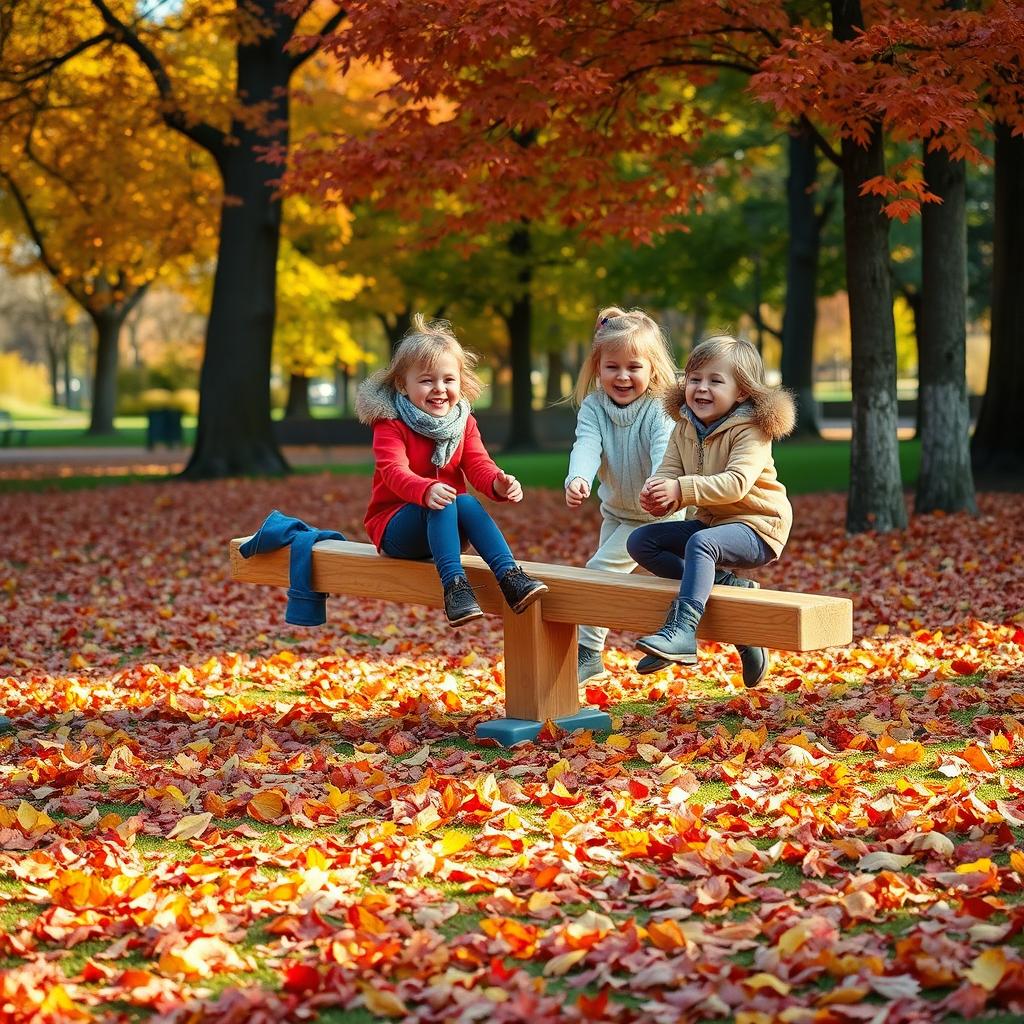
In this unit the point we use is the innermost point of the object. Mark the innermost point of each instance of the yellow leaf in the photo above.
(558, 768)
(793, 938)
(316, 858)
(382, 1002)
(560, 822)
(984, 864)
(762, 980)
(988, 969)
(558, 965)
(190, 826)
(452, 842)
(617, 741)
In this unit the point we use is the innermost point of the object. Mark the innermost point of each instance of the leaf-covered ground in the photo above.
(206, 815)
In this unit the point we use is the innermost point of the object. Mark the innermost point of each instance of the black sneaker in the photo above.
(460, 602)
(589, 663)
(520, 590)
(753, 659)
(650, 663)
(755, 664)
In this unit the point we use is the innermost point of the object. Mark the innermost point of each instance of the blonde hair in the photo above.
(633, 332)
(742, 358)
(424, 344)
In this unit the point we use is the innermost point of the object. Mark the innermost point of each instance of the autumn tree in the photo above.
(238, 117)
(107, 199)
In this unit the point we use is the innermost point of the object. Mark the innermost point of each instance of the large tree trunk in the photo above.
(998, 445)
(800, 317)
(520, 324)
(104, 384)
(945, 482)
(395, 327)
(234, 434)
(876, 490)
(297, 406)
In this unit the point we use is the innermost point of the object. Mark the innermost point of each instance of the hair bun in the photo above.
(606, 314)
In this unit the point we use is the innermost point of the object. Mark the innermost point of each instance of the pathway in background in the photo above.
(47, 463)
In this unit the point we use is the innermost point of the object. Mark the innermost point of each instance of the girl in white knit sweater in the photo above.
(622, 431)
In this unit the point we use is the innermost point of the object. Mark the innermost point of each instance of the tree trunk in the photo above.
(53, 365)
(520, 322)
(104, 386)
(876, 490)
(297, 407)
(341, 380)
(234, 434)
(396, 330)
(945, 482)
(67, 374)
(998, 445)
(554, 383)
(800, 317)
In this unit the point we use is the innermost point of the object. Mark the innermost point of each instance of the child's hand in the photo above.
(508, 487)
(658, 496)
(440, 495)
(577, 492)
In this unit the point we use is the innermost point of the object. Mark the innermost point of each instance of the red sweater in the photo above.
(403, 471)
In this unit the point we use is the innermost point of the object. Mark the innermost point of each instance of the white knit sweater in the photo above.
(622, 445)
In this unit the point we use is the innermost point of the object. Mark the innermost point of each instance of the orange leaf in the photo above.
(266, 806)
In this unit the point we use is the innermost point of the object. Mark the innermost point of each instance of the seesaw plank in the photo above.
(636, 603)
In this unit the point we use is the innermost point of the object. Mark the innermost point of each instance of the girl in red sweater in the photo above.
(426, 444)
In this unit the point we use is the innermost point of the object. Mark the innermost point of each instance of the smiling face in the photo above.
(711, 391)
(624, 376)
(437, 389)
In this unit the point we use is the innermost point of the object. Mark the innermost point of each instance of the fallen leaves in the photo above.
(208, 799)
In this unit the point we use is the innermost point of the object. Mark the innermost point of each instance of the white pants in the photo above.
(611, 556)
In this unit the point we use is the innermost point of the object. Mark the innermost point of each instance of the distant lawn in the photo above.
(805, 467)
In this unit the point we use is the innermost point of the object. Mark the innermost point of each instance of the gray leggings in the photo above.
(690, 551)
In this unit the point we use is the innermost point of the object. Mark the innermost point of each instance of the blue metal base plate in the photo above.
(509, 731)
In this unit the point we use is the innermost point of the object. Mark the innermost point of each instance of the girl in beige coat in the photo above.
(719, 460)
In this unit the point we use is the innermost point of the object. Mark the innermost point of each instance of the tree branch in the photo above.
(44, 67)
(203, 134)
(329, 26)
(821, 142)
(40, 242)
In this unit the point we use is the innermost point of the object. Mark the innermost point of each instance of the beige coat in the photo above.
(730, 477)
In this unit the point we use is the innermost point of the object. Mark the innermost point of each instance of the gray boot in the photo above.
(589, 663)
(753, 659)
(677, 639)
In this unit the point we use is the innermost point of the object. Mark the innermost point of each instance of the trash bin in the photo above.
(163, 426)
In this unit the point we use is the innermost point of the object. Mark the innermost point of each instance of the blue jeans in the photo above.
(416, 532)
(690, 551)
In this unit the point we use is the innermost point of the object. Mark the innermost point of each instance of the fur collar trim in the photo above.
(375, 400)
(774, 413)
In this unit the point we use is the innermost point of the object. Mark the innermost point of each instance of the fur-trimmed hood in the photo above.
(773, 413)
(375, 400)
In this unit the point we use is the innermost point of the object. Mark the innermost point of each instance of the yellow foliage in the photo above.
(21, 380)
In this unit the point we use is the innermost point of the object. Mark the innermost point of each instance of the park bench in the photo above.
(540, 644)
(9, 433)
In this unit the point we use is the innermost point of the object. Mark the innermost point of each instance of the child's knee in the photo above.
(467, 501)
(638, 543)
(701, 545)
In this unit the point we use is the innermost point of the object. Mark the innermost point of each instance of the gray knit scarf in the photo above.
(445, 431)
